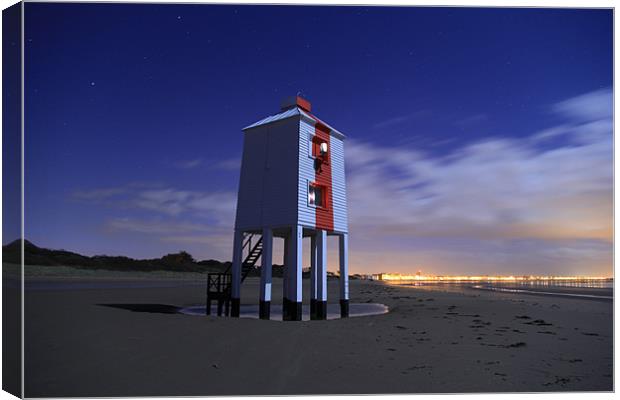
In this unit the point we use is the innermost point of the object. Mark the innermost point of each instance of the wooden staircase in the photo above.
(219, 284)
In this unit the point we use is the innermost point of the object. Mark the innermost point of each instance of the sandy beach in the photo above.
(83, 339)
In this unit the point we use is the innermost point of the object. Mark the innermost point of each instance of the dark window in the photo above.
(316, 195)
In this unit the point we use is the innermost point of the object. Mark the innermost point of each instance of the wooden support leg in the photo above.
(313, 277)
(266, 275)
(321, 275)
(286, 262)
(295, 274)
(236, 273)
(344, 274)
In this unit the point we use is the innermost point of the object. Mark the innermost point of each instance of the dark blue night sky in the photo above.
(479, 139)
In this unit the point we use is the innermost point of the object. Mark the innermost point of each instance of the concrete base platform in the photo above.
(333, 311)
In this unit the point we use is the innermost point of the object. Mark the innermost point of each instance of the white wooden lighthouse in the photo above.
(292, 186)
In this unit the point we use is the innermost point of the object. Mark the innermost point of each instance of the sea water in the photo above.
(594, 289)
(583, 289)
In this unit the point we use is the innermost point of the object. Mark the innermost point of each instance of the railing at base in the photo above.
(218, 288)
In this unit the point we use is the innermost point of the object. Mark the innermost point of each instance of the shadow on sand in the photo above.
(251, 311)
(147, 308)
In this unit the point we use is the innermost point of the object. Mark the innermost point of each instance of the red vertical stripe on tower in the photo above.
(323, 177)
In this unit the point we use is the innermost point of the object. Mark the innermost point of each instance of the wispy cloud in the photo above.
(98, 194)
(230, 164)
(102, 193)
(152, 226)
(213, 240)
(401, 119)
(188, 164)
(227, 164)
(216, 206)
(499, 189)
(596, 105)
(167, 214)
(173, 202)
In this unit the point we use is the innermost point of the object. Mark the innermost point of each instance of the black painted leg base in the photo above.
(285, 309)
(296, 312)
(264, 310)
(291, 310)
(321, 309)
(235, 307)
(344, 308)
(313, 309)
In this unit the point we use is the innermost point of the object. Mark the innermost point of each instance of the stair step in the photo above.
(255, 251)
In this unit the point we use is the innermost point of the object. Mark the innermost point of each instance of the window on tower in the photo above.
(316, 195)
(318, 148)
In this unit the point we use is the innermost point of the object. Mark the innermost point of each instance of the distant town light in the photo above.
(481, 278)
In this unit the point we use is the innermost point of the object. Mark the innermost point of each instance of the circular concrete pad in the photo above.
(333, 310)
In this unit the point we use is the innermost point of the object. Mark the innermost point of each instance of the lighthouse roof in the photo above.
(294, 112)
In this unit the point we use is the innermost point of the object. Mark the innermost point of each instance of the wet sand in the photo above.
(109, 339)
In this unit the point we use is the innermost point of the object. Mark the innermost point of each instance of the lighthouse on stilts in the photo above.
(292, 186)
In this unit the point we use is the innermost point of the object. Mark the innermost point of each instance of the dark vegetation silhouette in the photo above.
(177, 262)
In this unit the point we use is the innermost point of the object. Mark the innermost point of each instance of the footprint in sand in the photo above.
(538, 322)
(515, 345)
(558, 381)
(416, 367)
